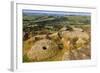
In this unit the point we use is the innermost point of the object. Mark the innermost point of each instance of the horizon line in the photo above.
(47, 12)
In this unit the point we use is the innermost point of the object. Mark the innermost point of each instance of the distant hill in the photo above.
(57, 13)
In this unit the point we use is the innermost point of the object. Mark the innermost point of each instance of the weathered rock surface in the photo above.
(43, 49)
(75, 46)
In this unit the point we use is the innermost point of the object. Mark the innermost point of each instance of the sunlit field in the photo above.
(56, 37)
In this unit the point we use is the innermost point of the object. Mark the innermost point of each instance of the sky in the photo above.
(34, 12)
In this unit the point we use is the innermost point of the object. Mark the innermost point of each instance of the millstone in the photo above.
(42, 50)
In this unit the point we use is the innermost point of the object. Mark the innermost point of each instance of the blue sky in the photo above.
(44, 12)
